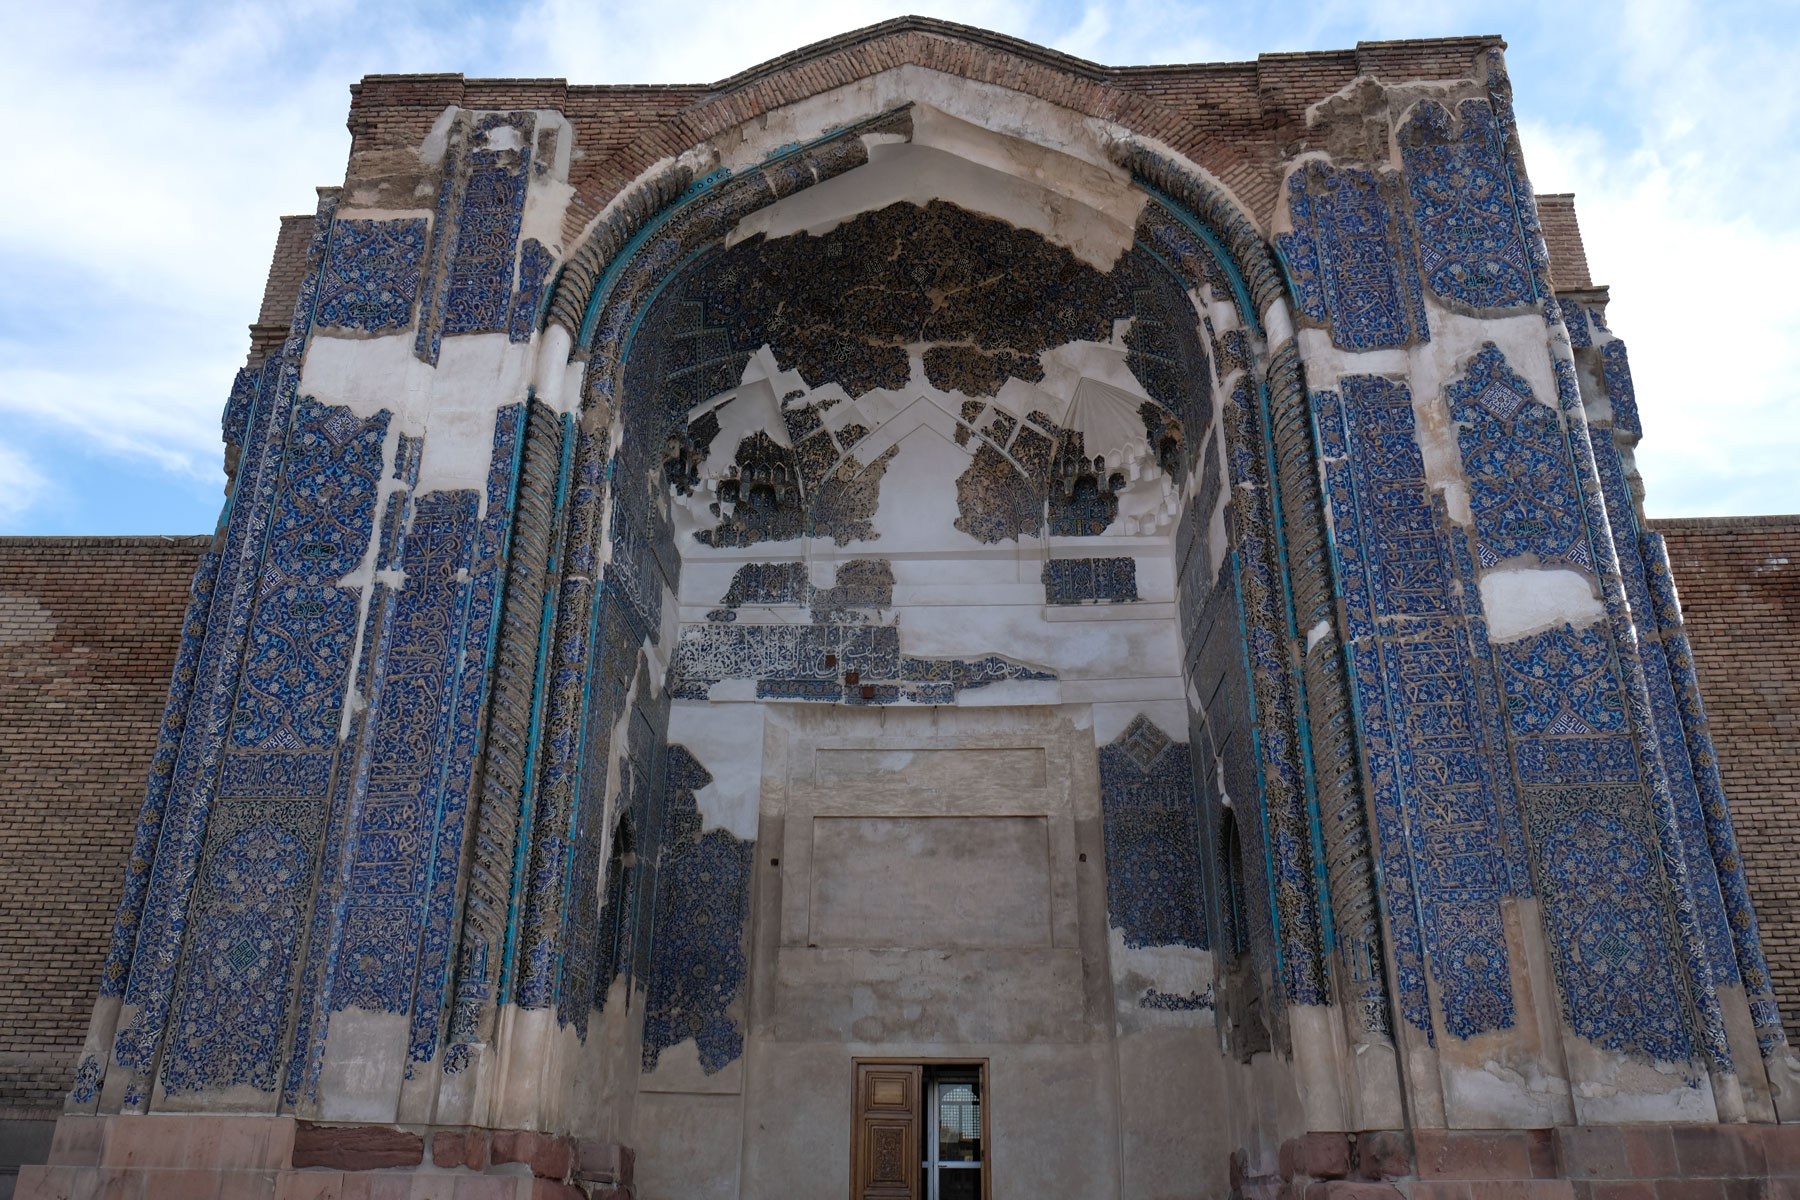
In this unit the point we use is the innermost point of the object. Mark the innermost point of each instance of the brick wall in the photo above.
(1740, 597)
(88, 632)
(1562, 236)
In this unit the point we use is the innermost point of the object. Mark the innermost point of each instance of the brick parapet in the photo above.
(1232, 118)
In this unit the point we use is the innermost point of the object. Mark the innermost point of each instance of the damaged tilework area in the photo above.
(467, 283)
(908, 274)
(789, 662)
(698, 962)
(1350, 258)
(863, 586)
(371, 277)
(1472, 246)
(1001, 295)
(1083, 580)
(1154, 882)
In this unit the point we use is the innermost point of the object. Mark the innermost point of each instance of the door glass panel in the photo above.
(964, 1184)
(959, 1122)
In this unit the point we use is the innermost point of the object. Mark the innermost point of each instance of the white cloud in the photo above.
(22, 485)
(1690, 220)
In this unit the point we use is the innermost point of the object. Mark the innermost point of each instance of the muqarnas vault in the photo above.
(933, 590)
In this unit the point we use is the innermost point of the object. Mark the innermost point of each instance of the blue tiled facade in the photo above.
(417, 754)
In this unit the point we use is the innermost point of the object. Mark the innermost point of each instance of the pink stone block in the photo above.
(309, 1185)
(1472, 1154)
(78, 1140)
(155, 1141)
(56, 1183)
(247, 1185)
(188, 1184)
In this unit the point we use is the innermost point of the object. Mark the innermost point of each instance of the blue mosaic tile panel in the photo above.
(487, 233)
(234, 422)
(1472, 247)
(1351, 259)
(1721, 837)
(325, 940)
(1521, 490)
(467, 283)
(1087, 580)
(536, 264)
(698, 961)
(1710, 909)
(371, 277)
(1436, 818)
(861, 587)
(249, 909)
(1617, 370)
(162, 771)
(1601, 908)
(293, 685)
(1458, 548)
(789, 662)
(1683, 932)
(1575, 320)
(227, 1023)
(1154, 881)
(1284, 825)
(468, 704)
(533, 958)
(152, 976)
(398, 809)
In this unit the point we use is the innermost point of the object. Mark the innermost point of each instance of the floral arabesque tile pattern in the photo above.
(1471, 245)
(1154, 883)
(371, 277)
(698, 961)
(1522, 491)
(1351, 259)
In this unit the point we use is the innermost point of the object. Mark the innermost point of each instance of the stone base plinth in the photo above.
(1604, 1162)
(200, 1157)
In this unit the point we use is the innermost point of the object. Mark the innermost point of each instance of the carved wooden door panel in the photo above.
(884, 1154)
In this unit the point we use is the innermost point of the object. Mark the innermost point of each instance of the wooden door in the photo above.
(884, 1158)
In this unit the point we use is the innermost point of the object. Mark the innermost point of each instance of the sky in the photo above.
(156, 143)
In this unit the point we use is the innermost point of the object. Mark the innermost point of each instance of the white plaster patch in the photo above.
(1521, 601)
(728, 741)
(1170, 716)
(1317, 634)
